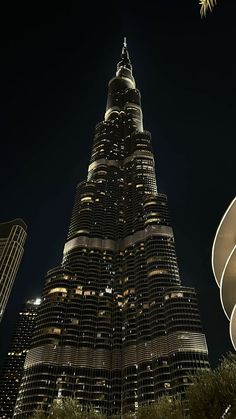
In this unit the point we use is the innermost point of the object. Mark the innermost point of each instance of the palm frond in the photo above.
(206, 5)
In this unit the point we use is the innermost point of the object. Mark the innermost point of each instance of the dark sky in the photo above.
(55, 66)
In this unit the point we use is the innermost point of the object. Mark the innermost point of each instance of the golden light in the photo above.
(206, 5)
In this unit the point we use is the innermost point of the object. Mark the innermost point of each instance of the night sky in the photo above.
(55, 66)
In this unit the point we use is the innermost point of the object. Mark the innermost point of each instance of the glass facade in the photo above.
(12, 240)
(12, 370)
(115, 328)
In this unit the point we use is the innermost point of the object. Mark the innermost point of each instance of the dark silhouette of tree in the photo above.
(68, 409)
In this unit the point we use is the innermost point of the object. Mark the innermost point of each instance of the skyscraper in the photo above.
(115, 327)
(12, 370)
(12, 240)
(223, 265)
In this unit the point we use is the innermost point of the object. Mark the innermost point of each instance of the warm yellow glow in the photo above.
(53, 330)
(206, 5)
(152, 220)
(87, 199)
(79, 291)
(83, 231)
(129, 291)
(176, 295)
(64, 290)
(149, 203)
(89, 292)
(158, 272)
(74, 321)
(154, 259)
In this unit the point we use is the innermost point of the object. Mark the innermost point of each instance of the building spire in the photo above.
(125, 60)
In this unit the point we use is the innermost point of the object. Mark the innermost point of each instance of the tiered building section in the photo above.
(115, 328)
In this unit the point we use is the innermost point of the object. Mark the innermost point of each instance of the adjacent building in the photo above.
(12, 240)
(224, 265)
(116, 328)
(12, 370)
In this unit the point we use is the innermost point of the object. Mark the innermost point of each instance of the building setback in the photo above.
(12, 240)
(115, 328)
(12, 370)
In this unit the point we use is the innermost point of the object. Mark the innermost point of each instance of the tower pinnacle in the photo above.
(125, 60)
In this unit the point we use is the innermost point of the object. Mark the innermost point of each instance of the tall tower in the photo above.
(12, 240)
(115, 327)
(12, 370)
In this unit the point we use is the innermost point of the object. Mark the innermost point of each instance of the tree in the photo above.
(212, 391)
(165, 407)
(68, 408)
(206, 5)
(39, 415)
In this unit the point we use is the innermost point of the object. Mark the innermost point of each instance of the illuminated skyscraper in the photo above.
(223, 265)
(12, 240)
(115, 327)
(12, 371)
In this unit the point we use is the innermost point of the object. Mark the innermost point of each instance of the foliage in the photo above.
(206, 5)
(212, 391)
(39, 415)
(68, 408)
(165, 407)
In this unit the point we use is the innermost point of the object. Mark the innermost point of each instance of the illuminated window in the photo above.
(74, 321)
(152, 220)
(176, 295)
(63, 290)
(158, 272)
(82, 231)
(150, 203)
(129, 291)
(79, 290)
(154, 259)
(52, 330)
(87, 199)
